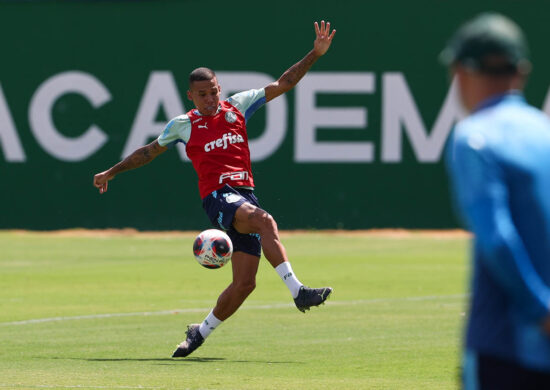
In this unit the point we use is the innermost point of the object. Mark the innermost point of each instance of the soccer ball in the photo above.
(212, 248)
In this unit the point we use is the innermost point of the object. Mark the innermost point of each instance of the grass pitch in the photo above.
(106, 311)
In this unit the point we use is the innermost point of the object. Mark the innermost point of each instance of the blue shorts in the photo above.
(221, 206)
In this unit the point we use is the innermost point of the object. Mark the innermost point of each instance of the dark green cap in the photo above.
(489, 43)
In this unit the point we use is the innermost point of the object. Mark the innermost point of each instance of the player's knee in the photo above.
(244, 288)
(252, 219)
(266, 220)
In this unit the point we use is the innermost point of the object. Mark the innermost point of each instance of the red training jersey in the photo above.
(218, 149)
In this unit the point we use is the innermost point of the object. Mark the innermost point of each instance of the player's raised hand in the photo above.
(101, 181)
(323, 38)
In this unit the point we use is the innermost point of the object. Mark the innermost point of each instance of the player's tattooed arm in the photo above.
(138, 158)
(295, 73)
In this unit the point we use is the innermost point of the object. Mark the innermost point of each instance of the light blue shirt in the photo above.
(499, 163)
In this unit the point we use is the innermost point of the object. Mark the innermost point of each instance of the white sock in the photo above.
(209, 324)
(287, 275)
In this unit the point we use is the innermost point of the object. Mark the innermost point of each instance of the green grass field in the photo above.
(110, 309)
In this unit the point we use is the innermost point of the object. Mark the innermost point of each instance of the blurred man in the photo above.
(499, 164)
(216, 142)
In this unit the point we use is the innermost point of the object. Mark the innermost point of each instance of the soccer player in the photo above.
(499, 163)
(216, 142)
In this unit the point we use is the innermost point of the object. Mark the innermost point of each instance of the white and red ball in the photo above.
(212, 248)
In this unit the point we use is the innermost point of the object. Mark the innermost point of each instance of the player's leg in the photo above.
(245, 267)
(245, 260)
(252, 219)
(247, 223)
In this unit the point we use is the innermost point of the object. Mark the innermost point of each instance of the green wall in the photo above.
(133, 58)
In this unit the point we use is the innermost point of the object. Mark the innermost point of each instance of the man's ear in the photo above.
(189, 95)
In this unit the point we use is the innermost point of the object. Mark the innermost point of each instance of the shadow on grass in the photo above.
(175, 361)
(202, 360)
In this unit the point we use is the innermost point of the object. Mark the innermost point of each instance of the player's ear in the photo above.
(189, 95)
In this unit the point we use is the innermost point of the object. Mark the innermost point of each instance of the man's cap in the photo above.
(489, 43)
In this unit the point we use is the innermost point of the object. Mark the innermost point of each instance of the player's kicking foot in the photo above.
(193, 341)
(308, 297)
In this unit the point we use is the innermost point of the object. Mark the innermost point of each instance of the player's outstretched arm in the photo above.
(291, 77)
(138, 158)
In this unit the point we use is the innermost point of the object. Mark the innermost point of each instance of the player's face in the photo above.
(465, 83)
(205, 95)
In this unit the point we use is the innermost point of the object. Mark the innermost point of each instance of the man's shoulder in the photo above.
(246, 97)
(467, 127)
(177, 129)
(247, 102)
(472, 135)
(178, 123)
(512, 111)
(498, 128)
(183, 117)
(488, 121)
(247, 94)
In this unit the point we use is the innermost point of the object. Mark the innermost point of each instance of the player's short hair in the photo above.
(201, 74)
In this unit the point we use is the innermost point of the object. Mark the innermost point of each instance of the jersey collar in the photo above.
(510, 96)
(197, 112)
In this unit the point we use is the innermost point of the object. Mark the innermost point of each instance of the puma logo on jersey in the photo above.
(226, 139)
(205, 126)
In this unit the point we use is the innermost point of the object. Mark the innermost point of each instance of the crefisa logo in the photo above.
(226, 139)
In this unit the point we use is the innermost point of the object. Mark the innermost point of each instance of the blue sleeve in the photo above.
(481, 195)
(177, 130)
(248, 102)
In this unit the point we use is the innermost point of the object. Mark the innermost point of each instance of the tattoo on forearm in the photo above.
(138, 158)
(298, 70)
